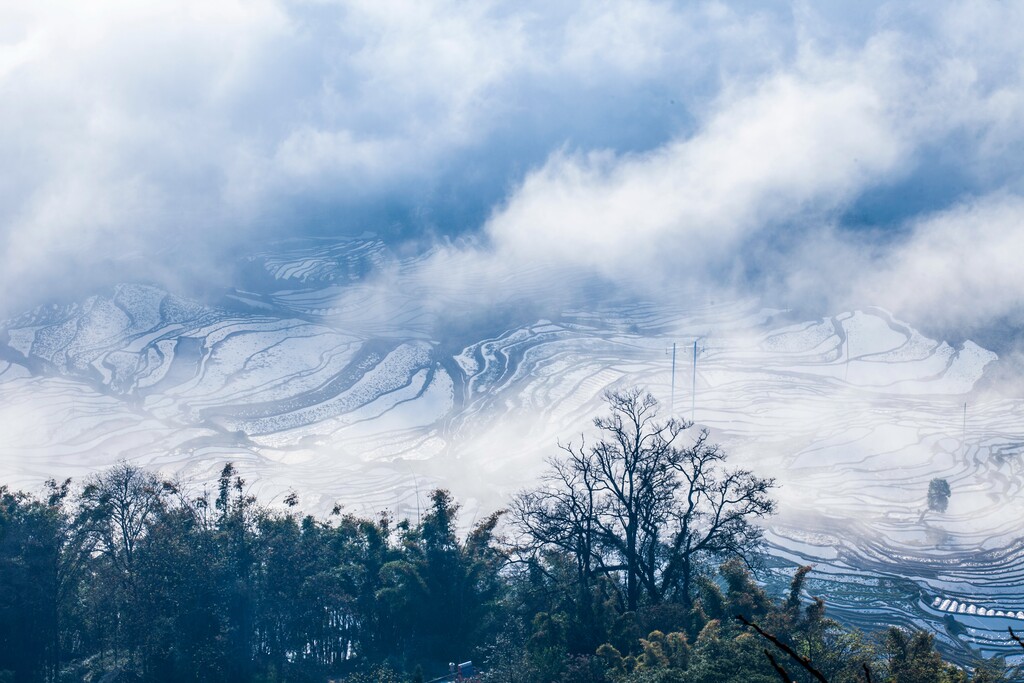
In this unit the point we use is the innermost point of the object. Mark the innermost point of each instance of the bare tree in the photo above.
(562, 514)
(123, 501)
(637, 464)
(638, 505)
(714, 514)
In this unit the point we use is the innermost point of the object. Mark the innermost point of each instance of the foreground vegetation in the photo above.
(630, 563)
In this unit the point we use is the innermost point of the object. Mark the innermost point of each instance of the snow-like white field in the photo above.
(320, 383)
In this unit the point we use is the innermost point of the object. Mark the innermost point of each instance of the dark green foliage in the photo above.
(131, 578)
(911, 658)
(440, 590)
(991, 671)
(141, 577)
(30, 554)
(720, 654)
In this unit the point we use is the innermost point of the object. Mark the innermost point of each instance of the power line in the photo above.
(672, 404)
(693, 390)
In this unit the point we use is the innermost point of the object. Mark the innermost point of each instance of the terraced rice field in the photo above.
(315, 377)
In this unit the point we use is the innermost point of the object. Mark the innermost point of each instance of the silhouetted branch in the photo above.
(1015, 636)
(799, 659)
(867, 672)
(778, 668)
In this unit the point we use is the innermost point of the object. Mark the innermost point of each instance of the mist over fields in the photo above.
(362, 249)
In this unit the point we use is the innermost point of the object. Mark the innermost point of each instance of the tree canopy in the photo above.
(641, 505)
(630, 562)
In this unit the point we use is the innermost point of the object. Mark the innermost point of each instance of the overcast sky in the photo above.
(810, 152)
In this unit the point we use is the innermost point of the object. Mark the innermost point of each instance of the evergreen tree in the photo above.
(30, 559)
(938, 495)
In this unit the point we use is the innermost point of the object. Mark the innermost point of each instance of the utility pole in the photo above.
(693, 392)
(672, 403)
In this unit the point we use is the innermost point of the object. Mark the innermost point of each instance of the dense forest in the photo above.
(634, 560)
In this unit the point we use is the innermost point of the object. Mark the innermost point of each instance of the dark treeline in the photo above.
(631, 562)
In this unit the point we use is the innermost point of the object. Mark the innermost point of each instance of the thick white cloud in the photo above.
(798, 142)
(131, 127)
(114, 130)
(681, 142)
(763, 182)
(960, 267)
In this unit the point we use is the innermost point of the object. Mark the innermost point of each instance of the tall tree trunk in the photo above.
(687, 579)
(632, 584)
